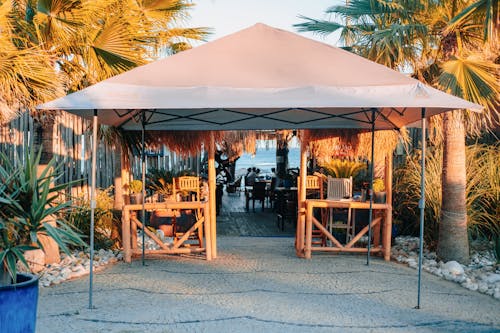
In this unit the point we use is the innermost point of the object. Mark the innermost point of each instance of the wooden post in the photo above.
(301, 221)
(208, 231)
(307, 251)
(127, 254)
(212, 198)
(387, 230)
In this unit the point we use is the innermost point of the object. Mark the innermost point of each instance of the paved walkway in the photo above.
(235, 220)
(258, 285)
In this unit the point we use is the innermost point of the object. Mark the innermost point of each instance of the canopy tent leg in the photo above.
(212, 196)
(421, 205)
(93, 206)
(372, 172)
(143, 178)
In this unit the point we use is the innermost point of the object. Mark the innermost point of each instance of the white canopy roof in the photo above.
(260, 78)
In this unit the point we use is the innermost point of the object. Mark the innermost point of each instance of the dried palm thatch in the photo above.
(232, 143)
(181, 142)
(326, 144)
(385, 143)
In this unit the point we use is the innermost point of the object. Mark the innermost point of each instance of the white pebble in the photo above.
(491, 278)
(454, 268)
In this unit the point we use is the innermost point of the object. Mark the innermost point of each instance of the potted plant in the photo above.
(379, 190)
(135, 189)
(160, 182)
(29, 207)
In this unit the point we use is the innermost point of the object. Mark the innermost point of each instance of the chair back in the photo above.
(314, 183)
(188, 184)
(259, 191)
(339, 188)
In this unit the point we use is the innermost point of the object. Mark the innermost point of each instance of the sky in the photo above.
(228, 16)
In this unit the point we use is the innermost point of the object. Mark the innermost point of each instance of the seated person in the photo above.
(250, 177)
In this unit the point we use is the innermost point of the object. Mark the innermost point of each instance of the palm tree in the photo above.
(75, 43)
(422, 35)
(26, 75)
(49, 48)
(93, 40)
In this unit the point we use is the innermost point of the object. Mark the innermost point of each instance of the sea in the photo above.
(265, 159)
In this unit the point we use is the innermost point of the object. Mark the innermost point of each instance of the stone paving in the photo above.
(257, 284)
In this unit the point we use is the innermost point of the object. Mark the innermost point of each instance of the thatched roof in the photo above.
(349, 143)
(323, 143)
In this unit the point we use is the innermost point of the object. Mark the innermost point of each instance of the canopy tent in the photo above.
(260, 78)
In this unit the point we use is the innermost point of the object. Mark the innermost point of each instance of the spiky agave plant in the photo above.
(29, 201)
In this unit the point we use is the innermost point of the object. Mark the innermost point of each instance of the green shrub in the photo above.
(407, 194)
(482, 191)
(104, 220)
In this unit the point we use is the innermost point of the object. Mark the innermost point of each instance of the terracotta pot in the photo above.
(136, 198)
(167, 229)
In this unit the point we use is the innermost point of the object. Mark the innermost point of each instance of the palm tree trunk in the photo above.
(453, 243)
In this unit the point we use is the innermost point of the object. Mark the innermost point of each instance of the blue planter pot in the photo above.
(18, 304)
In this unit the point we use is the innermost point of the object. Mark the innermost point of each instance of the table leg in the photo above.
(307, 251)
(387, 233)
(133, 232)
(376, 234)
(301, 222)
(127, 254)
(208, 236)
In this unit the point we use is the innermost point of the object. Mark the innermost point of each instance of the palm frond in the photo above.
(320, 27)
(473, 79)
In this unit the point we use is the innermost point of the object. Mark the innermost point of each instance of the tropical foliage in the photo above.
(407, 188)
(339, 168)
(29, 201)
(51, 47)
(105, 220)
(449, 44)
(483, 192)
(160, 181)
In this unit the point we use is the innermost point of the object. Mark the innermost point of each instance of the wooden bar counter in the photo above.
(130, 223)
(382, 218)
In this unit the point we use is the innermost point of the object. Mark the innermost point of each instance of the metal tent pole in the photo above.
(92, 206)
(143, 169)
(421, 205)
(372, 172)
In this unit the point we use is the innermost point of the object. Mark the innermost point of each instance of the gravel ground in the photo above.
(257, 284)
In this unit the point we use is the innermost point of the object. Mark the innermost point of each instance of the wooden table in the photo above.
(130, 223)
(382, 218)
